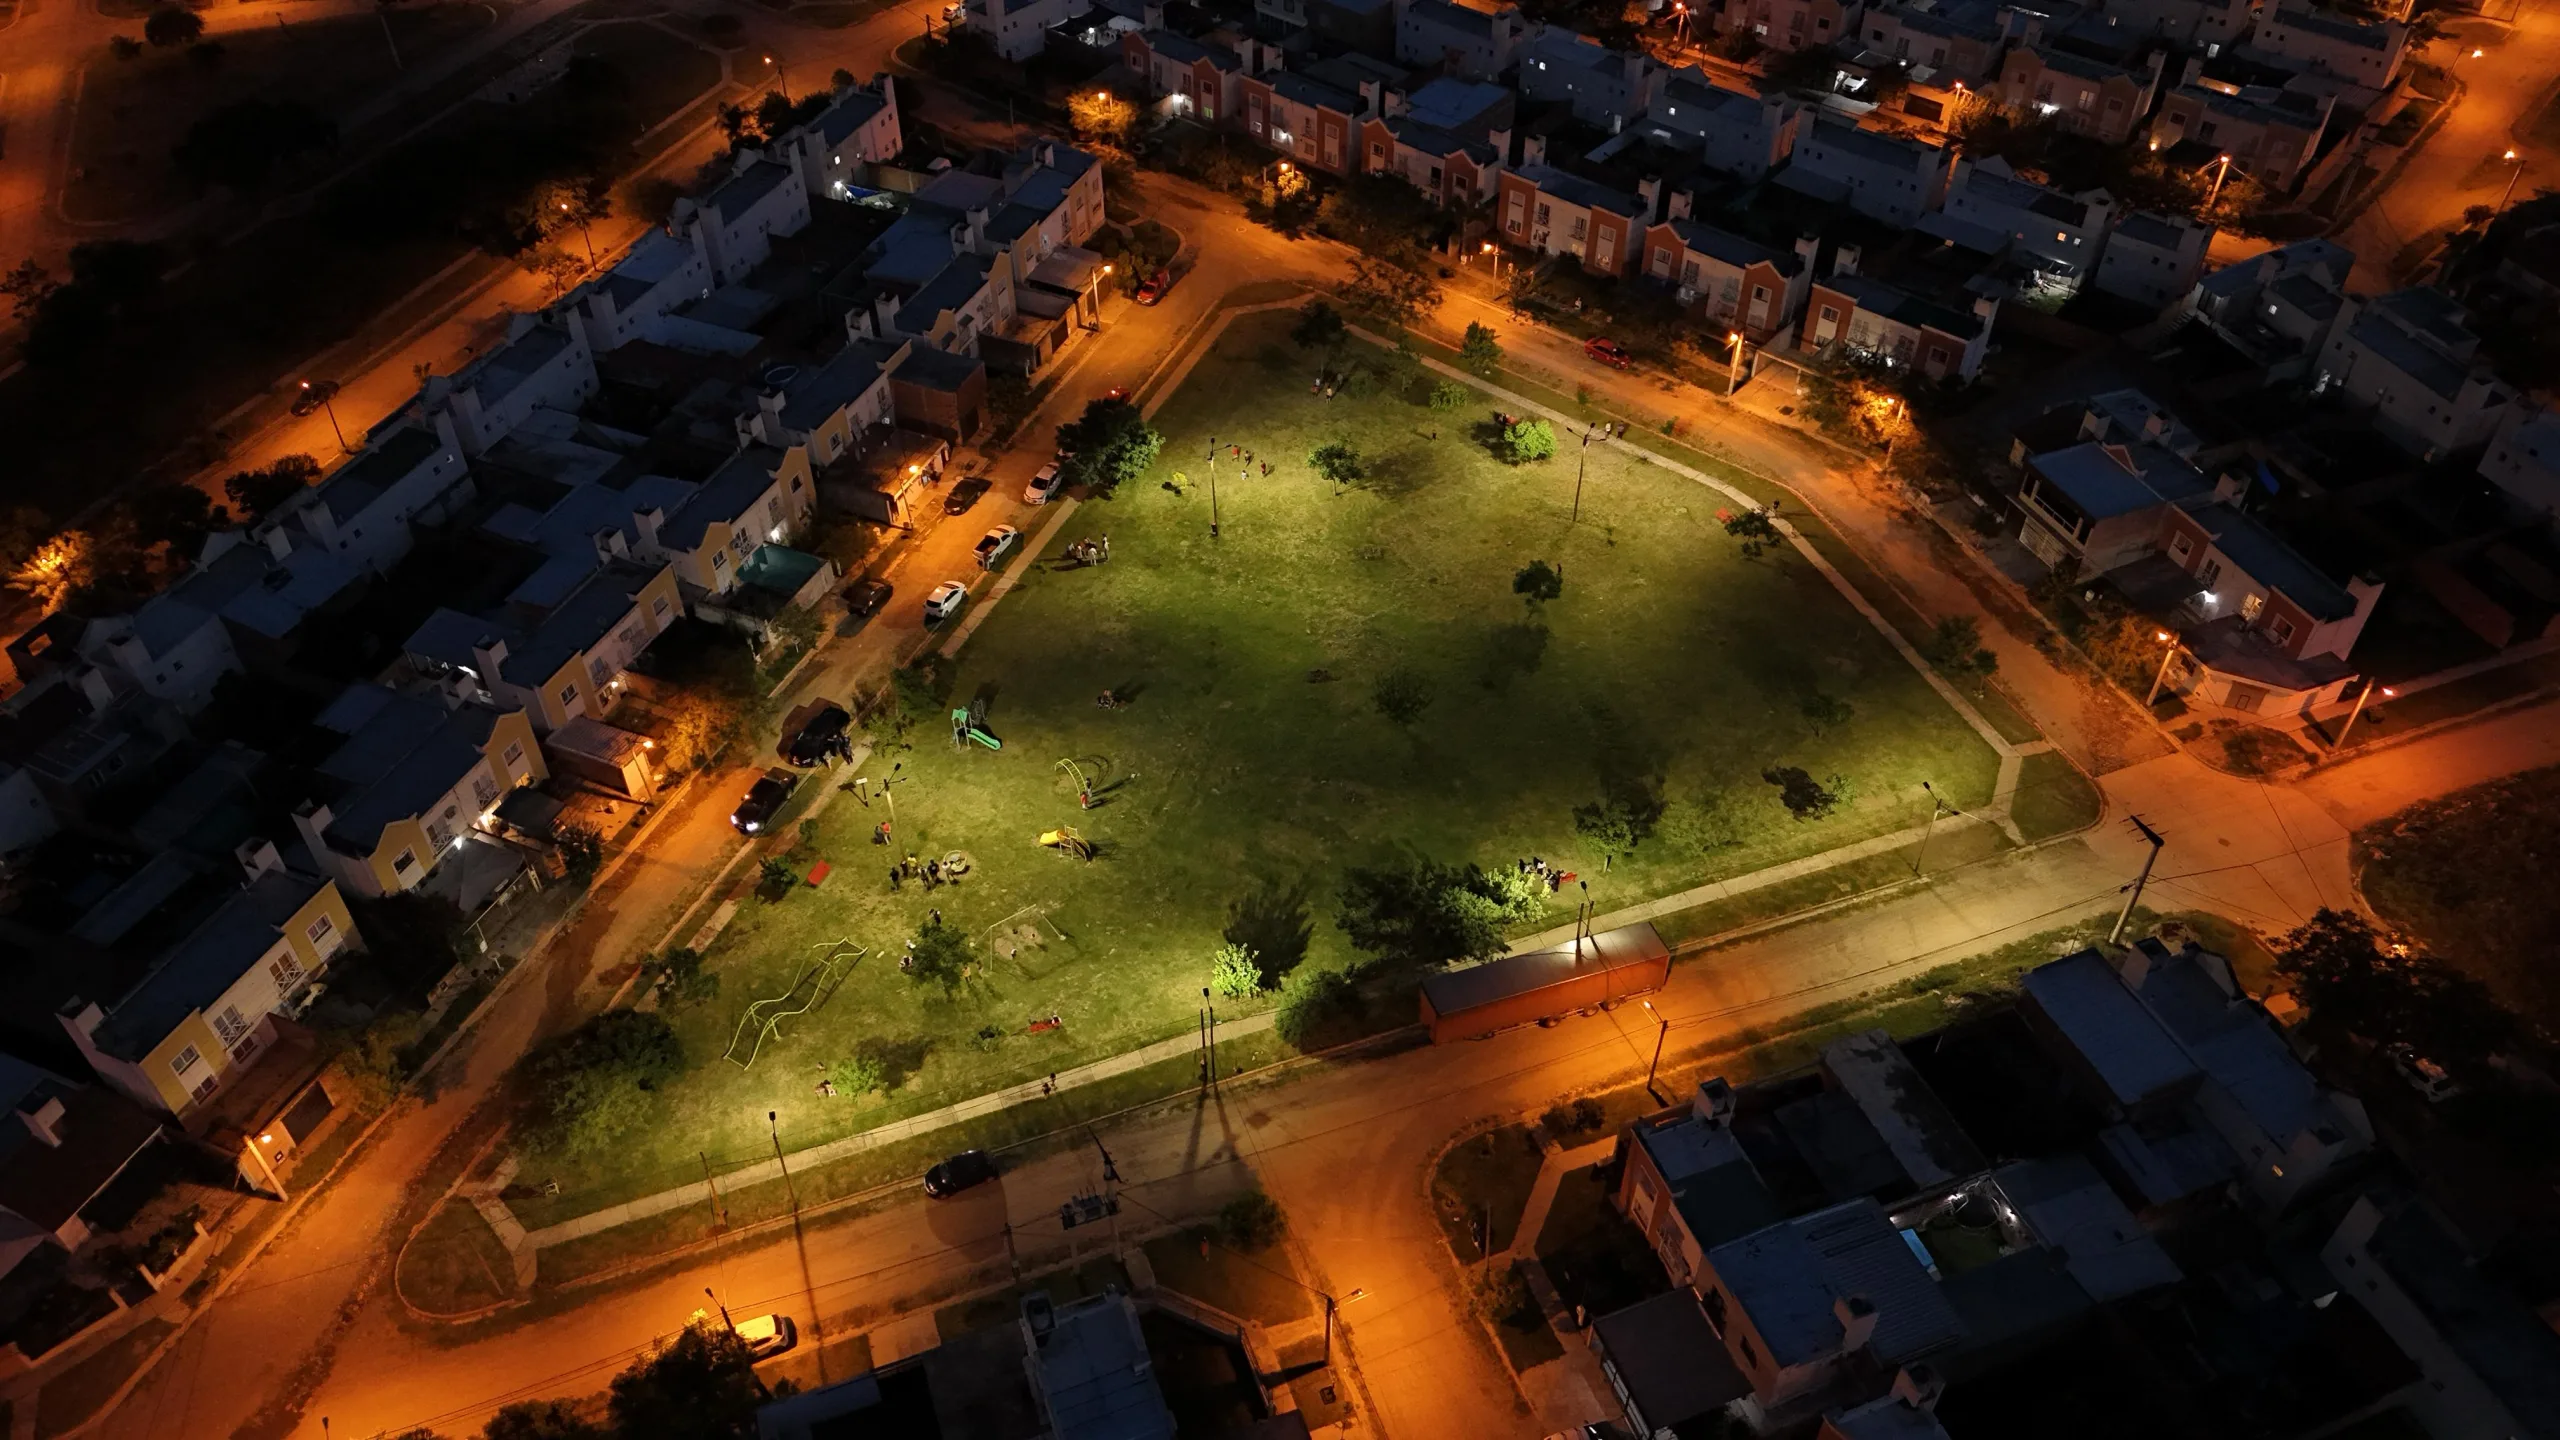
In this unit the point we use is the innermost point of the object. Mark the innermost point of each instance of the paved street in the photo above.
(2504, 91)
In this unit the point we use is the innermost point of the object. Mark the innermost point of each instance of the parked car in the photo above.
(865, 597)
(763, 799)
(1044, 486)
(1153, 289)
(964, 495)
(995, 545)
(768, 1335)
(2423, 1075)
(808, 737)
(963, 1171)
(944, 601)
(1607, 351)
(1116, 392)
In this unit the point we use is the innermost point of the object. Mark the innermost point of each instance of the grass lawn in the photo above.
(456, 1265)
(2054, 798)
(1252, 766)
(2465, 873)
(1259, 1285)
(1481, 1186)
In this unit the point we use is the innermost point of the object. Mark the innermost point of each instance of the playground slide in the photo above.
(983, 738)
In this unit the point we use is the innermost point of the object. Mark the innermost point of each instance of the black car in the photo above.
(865, 597)
(964, 495)
(817, 733)
(763, 799)
(963, 1171)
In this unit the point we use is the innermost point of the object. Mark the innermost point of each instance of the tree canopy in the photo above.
(589, 1087)
(2354, 982)
(1107, 446)
(940, 955)
(1338, 462)
(172, 25)
(1538, 582)
(1526, 441)
(240, 145)
(1319, 327)
(1481, 350)
(1425, 913)
(699, 1386)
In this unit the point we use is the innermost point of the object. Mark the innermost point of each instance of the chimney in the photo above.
(1986, 307)
(1649, 196)
(1678, 206)
(2194, 68)
(1857, 1317)
(311, 822)
(2135, 964)
(1918, 1385)
(81, 1017)
(609, 544)
(2155, 425)
(1372, 98)
(2229, 488)
(489, 653)
(279, 544)
(45, 1121)
(1714, 1102)
(96, 688)
(258, 857)
(1844, 261)
(1500, 140)
(1533, 150)
(884, 306)
(647, 523)
(1809, 250)
(2093, 425)
(1151, 15)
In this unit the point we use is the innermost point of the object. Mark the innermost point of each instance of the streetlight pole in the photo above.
(2224, 174)
(2162, 678)
(2369, 686)
(781, 78)
(724, 1311)
(2512, 177)
(327, 393)
(1209, 1060)
(773, 1126)
(1733, 371)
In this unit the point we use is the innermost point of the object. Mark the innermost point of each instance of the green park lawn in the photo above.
(1252, 766)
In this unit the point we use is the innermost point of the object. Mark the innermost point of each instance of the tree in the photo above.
(173, 25)
(1338, 462)
(1524, 441)
(679, 979)
(701, 1385)
(1753, 528)
(1481, 350)
(108, 279)
(59, 568)
(207, 53)
(1251, 1221)
(373, 1062)
(1311, 1000)
(1401, 696)
(589, 1089)
(1390, 291)
(1956, 648)
(542, 1420)
(1099, 117)
(939, 955)
(413, 939)
(125, 47)
(1448, 396)
(1824, 712)
(1426, 913)
(2354, 983)
(178, 516)
(775, 878)
(255, 492)
(1235, 972)
(27, 285)
(1537, 583)
(1805, 797)
(1319, 327)
(581, 851)
(1108, 446)
(1380, 215)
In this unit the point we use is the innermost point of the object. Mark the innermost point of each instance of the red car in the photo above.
(1607, 351)
(1153, 290)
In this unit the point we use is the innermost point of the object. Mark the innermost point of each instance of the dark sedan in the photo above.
(817, 735)
(966, 1170)
(864, 598)
(764, 798)
(964, 495)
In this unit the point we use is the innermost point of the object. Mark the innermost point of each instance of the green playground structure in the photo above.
(811, 988)
(966, 726)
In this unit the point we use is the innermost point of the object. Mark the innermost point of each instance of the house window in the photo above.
(1829, 315)
(569, 694)
(658, 606)
(285, 971)
(484, 789)
(719, 559)
(185, 1060)
(2181, 546)
(230, 1025)
(515, 754)
(2282, 629)
(2211, 572)
(407, 862)
(1750, 1356)
(319, 930)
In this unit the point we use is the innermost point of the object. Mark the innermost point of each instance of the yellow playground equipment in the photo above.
(1067, 842)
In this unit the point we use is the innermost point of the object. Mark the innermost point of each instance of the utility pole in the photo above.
(2366, 694)
(1580, 468)
(2512, 178)
(724, 1311)
(1209, 1056)
(719, 1215)
(1935, 805)
(1660, 1035)
(2134, 897)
